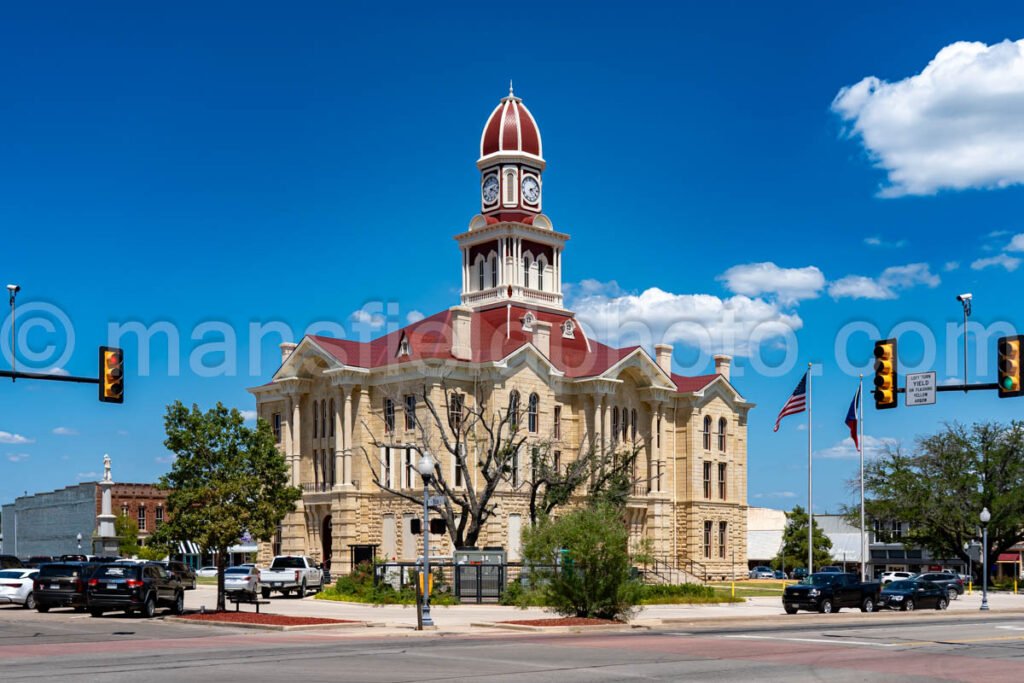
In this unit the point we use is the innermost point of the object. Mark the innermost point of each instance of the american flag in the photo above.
(851, 419)
(797, 403)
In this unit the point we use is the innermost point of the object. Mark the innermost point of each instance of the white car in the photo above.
(16, 587)
(888, 577)
(206, 571)
(244, 580)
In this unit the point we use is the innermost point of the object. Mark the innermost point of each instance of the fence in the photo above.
(472, 582)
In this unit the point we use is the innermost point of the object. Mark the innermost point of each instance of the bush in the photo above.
(682, 594)
(359, 587)
(591, 548)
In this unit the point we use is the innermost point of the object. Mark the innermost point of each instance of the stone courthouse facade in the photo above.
(333, 399)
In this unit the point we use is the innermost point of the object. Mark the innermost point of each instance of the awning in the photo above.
(1009, 557)
(189, 548)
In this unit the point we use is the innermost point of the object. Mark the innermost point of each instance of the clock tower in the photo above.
(511, 253)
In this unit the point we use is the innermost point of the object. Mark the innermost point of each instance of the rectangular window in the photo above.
(514, 465)
(455, 412)
(556, 462)
(142, 518)
(721, 436)
(385, 466)
(707, 539)
(707, 480)
(276, 421)
(458, 470)
(410, 411)
(159, 516)
(558, 422)
(409, 470)
(723, 529)
(389, 416)
(721, 480)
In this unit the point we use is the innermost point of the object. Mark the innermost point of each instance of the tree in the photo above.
(127, 531)
(940, 488)
(490, 447)
(591, 544)
(794, 542)
(226, 480)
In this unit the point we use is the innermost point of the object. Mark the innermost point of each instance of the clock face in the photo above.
(490, 189)
(531, 189)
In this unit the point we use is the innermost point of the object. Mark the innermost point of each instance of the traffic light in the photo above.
(1009, 384)
(415, 526)
(438, 527)
(885, 374)
(111, 375)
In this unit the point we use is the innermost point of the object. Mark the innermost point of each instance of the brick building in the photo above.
(509, 343)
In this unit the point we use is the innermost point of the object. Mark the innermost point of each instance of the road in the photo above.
(61, 644)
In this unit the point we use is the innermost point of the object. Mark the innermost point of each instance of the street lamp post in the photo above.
(426, 469)
(985, 517)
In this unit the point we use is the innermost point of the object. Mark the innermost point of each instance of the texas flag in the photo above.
(851, 418)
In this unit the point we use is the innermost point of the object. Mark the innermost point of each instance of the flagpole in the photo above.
(810, 508)
(860, 447)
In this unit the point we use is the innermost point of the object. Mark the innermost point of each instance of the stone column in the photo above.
(339, 439)
(296, 429)
(347, 468)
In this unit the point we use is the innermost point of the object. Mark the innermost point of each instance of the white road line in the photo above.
(1011, 628)
(827, 641)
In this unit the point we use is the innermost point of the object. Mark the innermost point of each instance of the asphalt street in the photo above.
(923, 646)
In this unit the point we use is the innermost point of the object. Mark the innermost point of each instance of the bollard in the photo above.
(969, 585)
(734, 589)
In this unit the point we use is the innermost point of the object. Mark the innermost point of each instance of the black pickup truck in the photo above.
(831, 591)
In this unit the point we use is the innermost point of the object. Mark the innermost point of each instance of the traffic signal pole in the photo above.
(44, 376)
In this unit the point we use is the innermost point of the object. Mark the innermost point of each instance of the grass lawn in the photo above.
(751, 589)
(206, 580)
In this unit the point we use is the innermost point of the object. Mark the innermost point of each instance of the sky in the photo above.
(783, 183)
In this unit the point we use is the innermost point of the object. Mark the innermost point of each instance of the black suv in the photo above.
(133, 588)
(952, 583)
(62, 584)
(183, 572)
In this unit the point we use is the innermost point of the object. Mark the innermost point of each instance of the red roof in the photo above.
(492, 339)
(1009, 557)
(510, 128)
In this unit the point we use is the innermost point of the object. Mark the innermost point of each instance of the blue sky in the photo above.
(247, 163)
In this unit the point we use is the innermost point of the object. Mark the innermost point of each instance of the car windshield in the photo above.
(236, 570)
(12, 573)
(288, 563)
(117, 571)
(820, 580)
(900, 585)
(68, 571)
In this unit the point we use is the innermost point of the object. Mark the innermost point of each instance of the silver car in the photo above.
(762, 573)
(243, 580)
(16, 587)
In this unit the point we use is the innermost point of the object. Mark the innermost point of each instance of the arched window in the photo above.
(531, 421)
(526, 270)
(513, 409)
(510, 187)
(615, 425)
(481, 273)
(633, 423)
(316, 419)
(332, 417)
(721, 434)
(541, 265)
(323, 418)
(707, 433)
(625, 425)
(494, 269)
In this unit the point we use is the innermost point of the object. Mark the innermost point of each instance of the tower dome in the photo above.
(511, 130)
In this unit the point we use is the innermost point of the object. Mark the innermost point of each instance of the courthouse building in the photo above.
(510, 336)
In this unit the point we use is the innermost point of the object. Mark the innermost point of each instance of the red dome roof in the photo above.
(511, 129)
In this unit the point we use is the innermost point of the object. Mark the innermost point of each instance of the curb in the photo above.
(272, 627)
(555, 629)
(884, 617)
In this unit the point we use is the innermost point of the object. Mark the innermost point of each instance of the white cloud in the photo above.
(1010, 263)
(789, 285)
(414, 316)
(372, 320)
(84, 476)
(18, 457)
(879, 242)
(249, 415)
(735, 325)
(1017, 243)
(165, 459)
(873, 447)
(57, 371)
(65, 431)
(8, 437)
(776, 494)
(951, 266)
(887, 285)
(956, 125)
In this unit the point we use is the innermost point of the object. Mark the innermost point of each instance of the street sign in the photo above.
(920, 389)
(435, 501)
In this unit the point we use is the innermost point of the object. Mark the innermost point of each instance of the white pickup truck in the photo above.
(291, 574)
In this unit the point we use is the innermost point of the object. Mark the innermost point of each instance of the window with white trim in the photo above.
(142, 517)
(723, 536)
(707, 539)
(707, 480)
(707, 432)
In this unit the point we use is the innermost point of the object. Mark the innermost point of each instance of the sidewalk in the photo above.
(399, 619)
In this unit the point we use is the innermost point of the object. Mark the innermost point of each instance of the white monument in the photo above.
(105, 541)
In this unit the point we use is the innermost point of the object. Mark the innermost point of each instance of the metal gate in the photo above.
(479, 582)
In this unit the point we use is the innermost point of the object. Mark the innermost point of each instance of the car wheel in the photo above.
(908, 606)
(265, 592)
(30, 601)
(790, 610)
(302, 590)
(868, 605)
(96, 612)
(952, 594)
(826, 607)
(179, 604)
(148, 608)
(943, 603)
(79, 609)
(42, 608)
